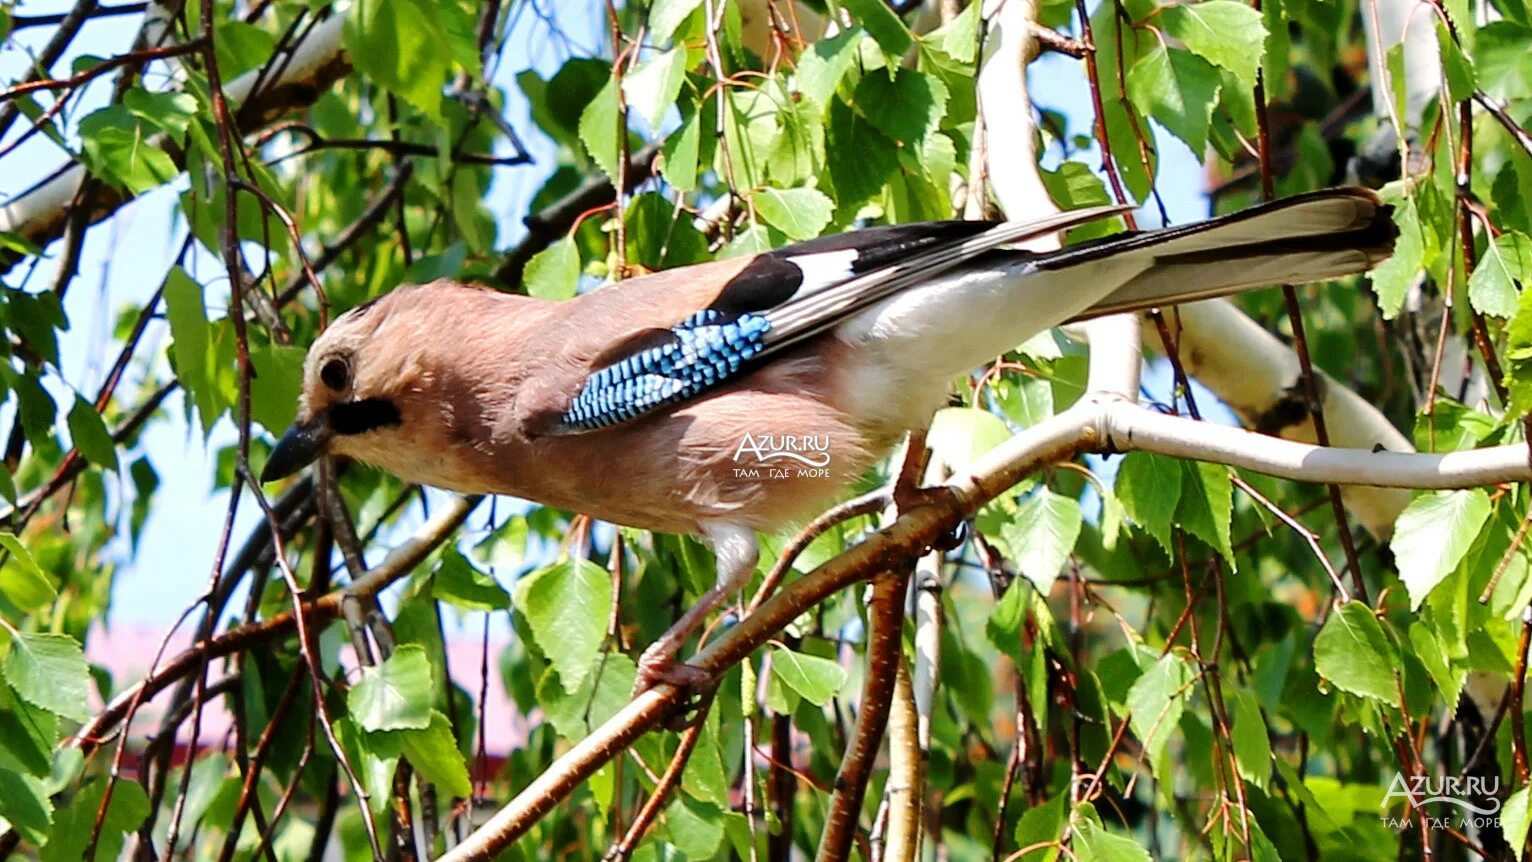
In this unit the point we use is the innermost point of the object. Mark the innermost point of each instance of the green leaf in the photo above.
(705, 777)
(37, 318)
(49, 672)
(88, 434)
(1507, 262)
(1157, 700)
(1504, 64)
(403, 46)
(1433, 533)
(652, 87)
(1456, 66)
(116, 147)
(1207, 504)
(678, 161)
(1041, 824)
(1451, 426)
(860, 158)
(374, 757)
(170, 112)
(1355, 655)
(21, 579)
(799, 213)
(189, 331)
(1513, 822)
(799, 151)
(18, 243)
(557, 103)
(276, 384)
(1149, 487)
(599, 697)
(695, 827)
(666, 15)
(1436, 655)
(1041, 536)
(208, 777)
(554, 272)
(960, 36)
(906, 108)
(1518, 354)
(884, 26)
(1179, 89)
(752, 240)
(458, 582)
(1026, 400)
(1124, 122)
(815, 679)
(1392, 279)
(751, 129)
(241, 46)
(25, 805)
(27, 735)
(1252, 744)
(466, 213)
(1093, 843)
(36, 405)
(73, 826)
(395, 695)
(1076, 186)
(959, 435)
(660, 236)
(567, 604)
(824, 64)
(1224, 32)
(598, 129)
(435, 755)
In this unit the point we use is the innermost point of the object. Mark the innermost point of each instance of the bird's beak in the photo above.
(302, 443)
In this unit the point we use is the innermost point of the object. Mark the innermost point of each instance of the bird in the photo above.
(744, 395)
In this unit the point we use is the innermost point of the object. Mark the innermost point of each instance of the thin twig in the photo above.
(623, 849)
(885, 644)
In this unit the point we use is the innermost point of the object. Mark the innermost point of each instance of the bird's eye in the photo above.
(336, 374)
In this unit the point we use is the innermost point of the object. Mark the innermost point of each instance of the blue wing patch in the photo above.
(708, 348)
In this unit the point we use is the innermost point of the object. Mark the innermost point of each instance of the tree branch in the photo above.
(1093, 424)
(885, 655)
(307, 70)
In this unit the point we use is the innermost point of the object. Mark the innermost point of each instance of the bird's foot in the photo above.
(658, 665)
(907, 498)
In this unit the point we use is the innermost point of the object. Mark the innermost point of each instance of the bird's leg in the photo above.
(910, 490)
(737, 551)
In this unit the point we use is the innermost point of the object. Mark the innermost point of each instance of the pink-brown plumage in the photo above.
(475, 372)
(476, 391)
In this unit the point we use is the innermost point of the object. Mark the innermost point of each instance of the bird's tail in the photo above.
(916, 341)
(1310, 237)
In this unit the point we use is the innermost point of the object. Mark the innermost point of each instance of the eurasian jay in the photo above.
(648, 402)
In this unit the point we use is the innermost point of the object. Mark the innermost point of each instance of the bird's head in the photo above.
(354, 386)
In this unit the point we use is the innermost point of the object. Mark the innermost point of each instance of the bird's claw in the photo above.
(659, 665)
(907, 498)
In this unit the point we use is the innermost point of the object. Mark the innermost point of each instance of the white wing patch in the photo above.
(823, 269)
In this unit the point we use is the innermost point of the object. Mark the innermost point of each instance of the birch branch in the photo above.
(296, 78)
(1093, 424)
(1258, 377)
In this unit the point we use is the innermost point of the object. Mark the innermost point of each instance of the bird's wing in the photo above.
(776, 301)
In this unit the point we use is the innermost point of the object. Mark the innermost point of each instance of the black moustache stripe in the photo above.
(358, 417)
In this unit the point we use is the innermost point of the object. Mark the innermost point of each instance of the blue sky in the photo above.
(124, 260)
